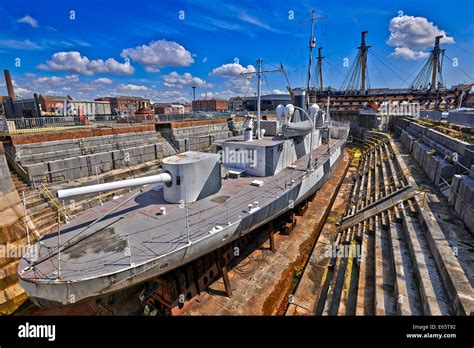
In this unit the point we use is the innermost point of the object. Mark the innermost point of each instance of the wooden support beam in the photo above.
(221, 264)
(225, 277)
(271, 237)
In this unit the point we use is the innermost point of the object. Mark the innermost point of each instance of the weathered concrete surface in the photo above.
(263, 281)
(461, 198)
(448, 239)
(40, 137)
(306, 295)
(433, 139)
(12, 235)
(198, 135)
(66, 160)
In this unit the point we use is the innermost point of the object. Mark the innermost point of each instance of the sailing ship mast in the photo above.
(320, 69)
(312, 44)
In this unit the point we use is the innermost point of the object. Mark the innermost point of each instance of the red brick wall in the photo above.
(77, 133)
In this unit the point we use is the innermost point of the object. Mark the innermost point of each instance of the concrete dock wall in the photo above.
(462, 118)
(435, 151)
(65, 160)
(461, 197)
(199, 135)
(12, 238)
(430, 149)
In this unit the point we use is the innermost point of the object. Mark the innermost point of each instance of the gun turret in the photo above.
(116, 185)
(188, 177)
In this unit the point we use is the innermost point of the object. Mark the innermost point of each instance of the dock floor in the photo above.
(262, 281)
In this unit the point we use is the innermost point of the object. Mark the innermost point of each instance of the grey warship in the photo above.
(200, 202)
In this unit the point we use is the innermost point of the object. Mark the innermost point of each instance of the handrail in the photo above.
(47, 193)
(18, 167)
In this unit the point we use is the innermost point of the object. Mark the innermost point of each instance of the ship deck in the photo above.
(137, 225)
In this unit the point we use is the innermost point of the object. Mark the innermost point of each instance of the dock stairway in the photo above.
(39, 208)
(44, 217)
(390, 256)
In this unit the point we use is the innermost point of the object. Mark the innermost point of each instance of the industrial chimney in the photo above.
(8, 81)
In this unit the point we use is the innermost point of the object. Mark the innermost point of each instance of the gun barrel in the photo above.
(116, 185)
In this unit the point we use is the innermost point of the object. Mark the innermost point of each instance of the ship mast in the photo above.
(436, 62)
(358, 71)
(363, 58)
(320, 69)
(259, 86)
(312, 44)
(431, 75)
(259, 74)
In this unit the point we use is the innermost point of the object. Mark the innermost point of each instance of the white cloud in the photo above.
(223, 94)
(408, 53)
(170, 96)
(174, 80)
(72, 61)
(204, 59)
(20, 44)
(95, 84)
(234, 80)
(45, 85)
(159, 54)
(22, 91)
(232, 69)
(55, 80)
(279, 91)
(102, 81)
(130, 87)
(28, 20)
(410, 35)
(255, 21)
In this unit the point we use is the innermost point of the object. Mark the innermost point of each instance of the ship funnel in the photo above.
(116, 185)
(300, 95)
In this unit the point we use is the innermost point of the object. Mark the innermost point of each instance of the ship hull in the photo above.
(49, 294)
(445, 99)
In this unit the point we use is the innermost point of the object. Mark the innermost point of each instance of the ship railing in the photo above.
(54, 201)
(35, 124)
(102, 119)
(237, 207)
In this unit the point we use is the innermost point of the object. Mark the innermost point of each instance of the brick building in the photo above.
(236, 103)
(54, 105)
(214, 104)
(126, 105)
(168, 109)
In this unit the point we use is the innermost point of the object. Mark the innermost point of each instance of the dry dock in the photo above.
(383, 236)
(262, 282)
(412, 258)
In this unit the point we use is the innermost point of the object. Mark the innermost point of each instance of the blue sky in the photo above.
(159, 49)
